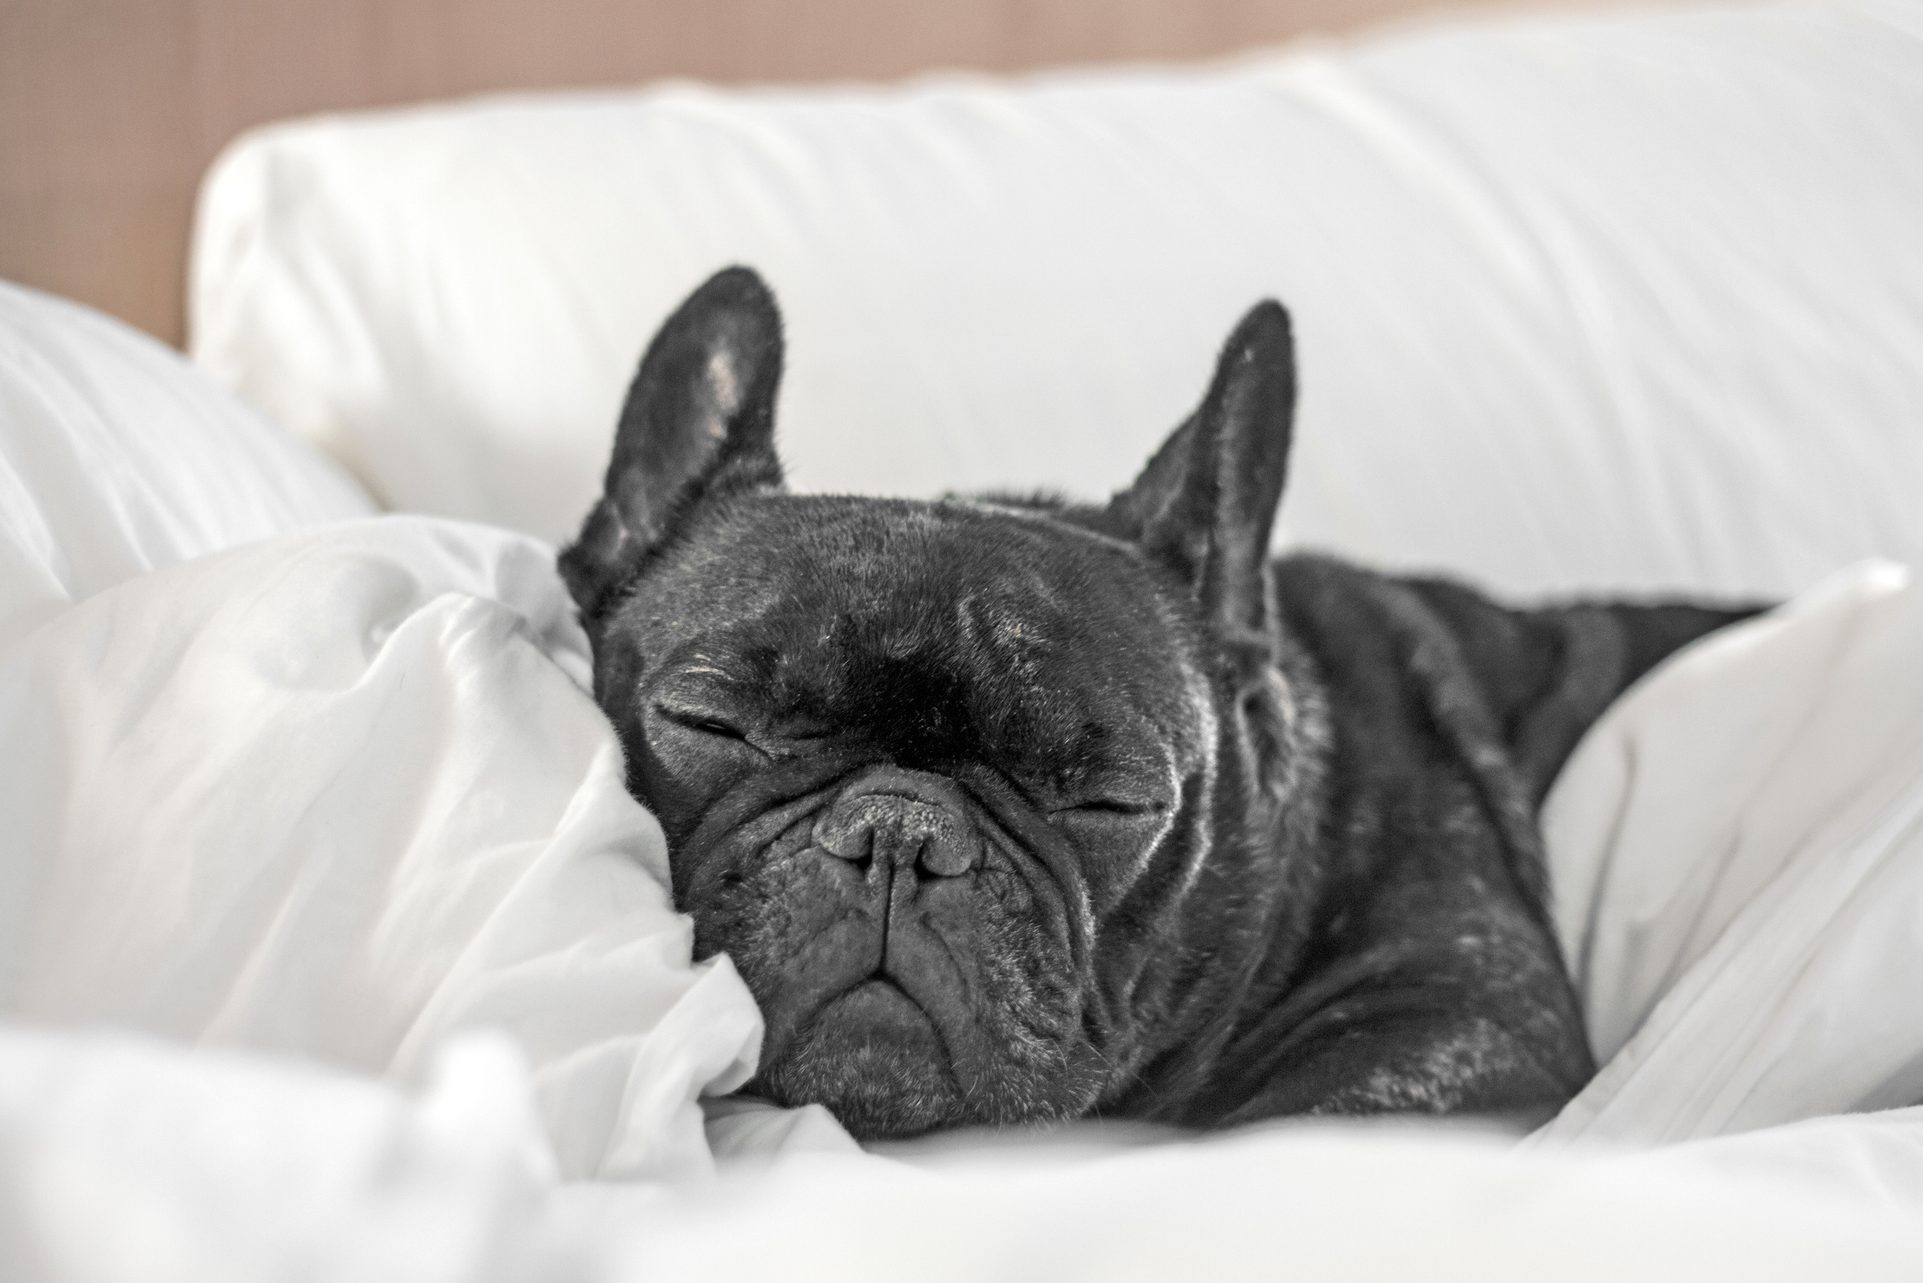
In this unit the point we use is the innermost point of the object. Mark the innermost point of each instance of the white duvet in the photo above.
(338, 797)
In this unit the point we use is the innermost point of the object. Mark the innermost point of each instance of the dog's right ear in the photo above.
(698, 425)
(1205, 504)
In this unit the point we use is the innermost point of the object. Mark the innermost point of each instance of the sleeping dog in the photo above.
(1015, 809)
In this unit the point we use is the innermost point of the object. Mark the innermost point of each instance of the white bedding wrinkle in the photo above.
(1737, 856)
(330, 795)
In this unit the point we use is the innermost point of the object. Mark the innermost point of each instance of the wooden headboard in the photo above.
(110, 110)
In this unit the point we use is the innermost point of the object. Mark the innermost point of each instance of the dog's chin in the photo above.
(874, 1059)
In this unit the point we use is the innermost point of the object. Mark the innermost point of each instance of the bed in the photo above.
(332, 945)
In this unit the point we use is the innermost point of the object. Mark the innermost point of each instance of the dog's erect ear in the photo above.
(1206, 501)
(698, 425)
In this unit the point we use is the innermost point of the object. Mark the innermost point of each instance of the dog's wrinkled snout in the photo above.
(906, 820)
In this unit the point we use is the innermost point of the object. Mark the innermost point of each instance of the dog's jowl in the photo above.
(1017, 809)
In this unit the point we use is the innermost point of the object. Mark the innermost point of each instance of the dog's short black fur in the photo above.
(1015, 810)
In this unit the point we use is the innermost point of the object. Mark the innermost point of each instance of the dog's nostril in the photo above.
(851, 842)
(950, 858)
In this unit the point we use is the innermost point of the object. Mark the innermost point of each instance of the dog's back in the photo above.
(1549, 672)
(1449, 716)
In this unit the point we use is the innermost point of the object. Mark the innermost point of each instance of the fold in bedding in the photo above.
(337, 795)
(1737, 856)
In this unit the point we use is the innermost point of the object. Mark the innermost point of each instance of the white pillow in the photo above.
(1593, 301)
(117, 456)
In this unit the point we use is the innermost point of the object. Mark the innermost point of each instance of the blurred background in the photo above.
(111, 110)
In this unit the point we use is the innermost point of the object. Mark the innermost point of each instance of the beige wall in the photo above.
(111, 109)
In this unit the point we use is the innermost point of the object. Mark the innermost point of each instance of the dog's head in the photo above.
(965, 788)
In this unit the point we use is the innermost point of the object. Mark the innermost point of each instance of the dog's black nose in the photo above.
(903, 819)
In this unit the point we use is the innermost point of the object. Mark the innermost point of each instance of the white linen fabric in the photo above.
(337, 796)
(1737, 860)
(1623, 301)
(1324, 1203)
(131, 1160)
(117, 456)
(127, 1160)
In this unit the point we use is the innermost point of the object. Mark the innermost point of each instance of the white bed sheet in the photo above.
(124, 1160)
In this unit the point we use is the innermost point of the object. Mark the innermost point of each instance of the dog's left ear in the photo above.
(698, 425)
(1206, 502)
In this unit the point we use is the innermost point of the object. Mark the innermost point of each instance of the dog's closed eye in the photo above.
(1118, 807)
(1112, 822)
(702, 721)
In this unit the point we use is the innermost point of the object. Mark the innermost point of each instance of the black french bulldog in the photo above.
(1014, 809)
